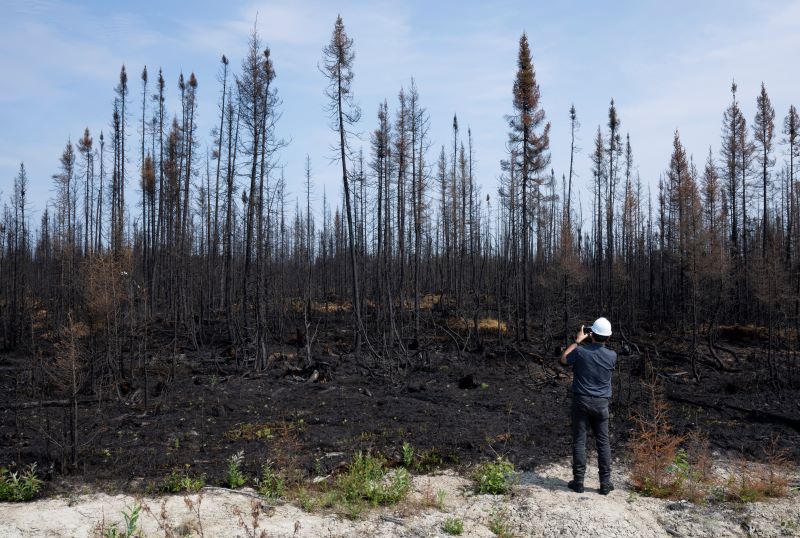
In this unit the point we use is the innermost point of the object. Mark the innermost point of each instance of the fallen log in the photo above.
(755, 414)
(44, 403)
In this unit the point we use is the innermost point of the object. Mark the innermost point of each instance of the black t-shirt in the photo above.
(593, 366)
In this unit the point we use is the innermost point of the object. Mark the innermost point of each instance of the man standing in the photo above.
(593, 365)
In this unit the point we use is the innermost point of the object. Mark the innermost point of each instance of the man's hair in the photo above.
(601, 339)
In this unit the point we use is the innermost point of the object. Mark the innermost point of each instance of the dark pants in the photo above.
(588, 411)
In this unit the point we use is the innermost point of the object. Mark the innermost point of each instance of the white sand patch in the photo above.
(540, 505)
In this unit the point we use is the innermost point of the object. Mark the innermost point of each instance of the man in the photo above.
(593, 365)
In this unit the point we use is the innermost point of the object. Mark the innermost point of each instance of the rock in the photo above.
(680, 505)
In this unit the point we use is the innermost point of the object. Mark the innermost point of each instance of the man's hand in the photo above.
(581, 336)
(578, 339)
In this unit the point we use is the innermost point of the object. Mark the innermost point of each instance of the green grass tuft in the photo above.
(177, 482)
(453, 526)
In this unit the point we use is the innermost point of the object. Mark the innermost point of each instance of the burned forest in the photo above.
(179, 299)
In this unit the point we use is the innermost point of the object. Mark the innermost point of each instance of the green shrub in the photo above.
(495, 478)
(367, 479)
(453, 526)
(271, 484)
(234, 477)
(15, 487)
(177, 482)
(366, 483)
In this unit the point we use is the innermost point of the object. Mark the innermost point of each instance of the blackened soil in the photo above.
(453, 410)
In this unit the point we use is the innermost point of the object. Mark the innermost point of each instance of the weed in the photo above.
(177, 482)
(428, 461)
(329, 499)
(495, 478)
(680, 465)
(234, 477)
(440, 495)
(789, 526)
(189, 527)
(428, 497)
(431, 499)
(131, 517)
(299, 425)
(271, 484)
(408, 454)
(368, 479)
(250, 432)
(15, 487)
(499, 524)
(317, 466)
(367, 482)
(453, 526)
(750, 482)
(775, 473)
(307, 501)
(698, 480)
(251, 530)
(353, 509)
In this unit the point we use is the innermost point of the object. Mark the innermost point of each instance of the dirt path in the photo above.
(540, 505)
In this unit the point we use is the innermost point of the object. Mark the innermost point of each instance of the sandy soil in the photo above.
(540, 505)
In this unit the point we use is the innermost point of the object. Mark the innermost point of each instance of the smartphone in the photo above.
(587, 330)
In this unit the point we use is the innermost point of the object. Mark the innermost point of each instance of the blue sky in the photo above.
(668, 65)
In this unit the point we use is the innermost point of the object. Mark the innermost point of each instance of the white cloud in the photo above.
(688, 87)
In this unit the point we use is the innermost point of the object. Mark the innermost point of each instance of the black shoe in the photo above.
(605, 489)
(575, 486)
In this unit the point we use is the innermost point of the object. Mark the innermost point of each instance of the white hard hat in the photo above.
(601, 327)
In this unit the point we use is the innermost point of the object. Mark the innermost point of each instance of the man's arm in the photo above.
(572, 347)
